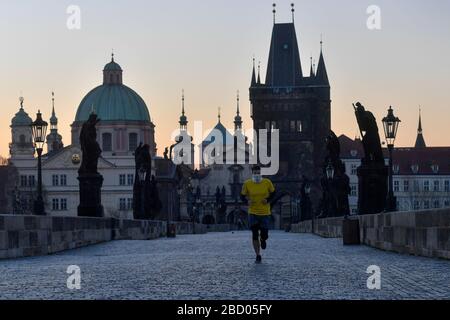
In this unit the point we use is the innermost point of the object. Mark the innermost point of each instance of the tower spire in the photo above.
(183, 119)
(321, 73)
(274, 11)
(311, 71)
(253, 74)
(420, 141)
(259, 72)
(218, 114)
(293, 12)
(237, 118)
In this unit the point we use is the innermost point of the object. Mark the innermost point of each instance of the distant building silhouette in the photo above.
(420, 141)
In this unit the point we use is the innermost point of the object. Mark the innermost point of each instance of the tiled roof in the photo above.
(406, 161)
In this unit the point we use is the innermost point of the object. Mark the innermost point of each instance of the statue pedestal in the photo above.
(90, 195)
(373, 188)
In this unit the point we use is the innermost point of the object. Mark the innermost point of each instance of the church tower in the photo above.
(298, 106)
(184, 138)
(21, 145)
(54, 139)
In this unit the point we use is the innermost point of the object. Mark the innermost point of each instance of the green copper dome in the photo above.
(21, 119)
(113, 102)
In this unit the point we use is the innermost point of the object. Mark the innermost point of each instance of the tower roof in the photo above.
(183, 119)
(420, 141)
(21, 118)
(284, 67)
(53, 118)
(321, 74)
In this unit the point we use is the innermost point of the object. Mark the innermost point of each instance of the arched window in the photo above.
(107, 141)
(132, 141)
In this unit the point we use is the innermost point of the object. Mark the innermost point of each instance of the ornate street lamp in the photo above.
(330, 171)
(39, 130)
(390, 124)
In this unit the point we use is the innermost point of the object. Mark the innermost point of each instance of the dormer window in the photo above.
(415, 168)
(396, 168)
(435, 168)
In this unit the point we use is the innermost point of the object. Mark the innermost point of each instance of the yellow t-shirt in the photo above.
(256, 193)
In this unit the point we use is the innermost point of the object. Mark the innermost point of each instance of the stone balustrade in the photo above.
(24, 236)
(422, 233)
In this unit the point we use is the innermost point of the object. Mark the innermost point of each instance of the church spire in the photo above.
(53, 119)
(218, 114)
(237, 118)
(311, 71)
(183, 119)
(420, 141)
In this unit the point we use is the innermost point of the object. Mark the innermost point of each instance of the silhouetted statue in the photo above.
(373, 172)
(146, 202)
(370, 136)
(90, 180)
(89, 146)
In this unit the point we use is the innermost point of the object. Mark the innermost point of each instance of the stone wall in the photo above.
(24, 236)
(422, 233)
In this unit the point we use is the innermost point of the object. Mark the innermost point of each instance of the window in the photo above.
(396, 168)
(31, 181)
(435, 168)
(122, 179)
(55, 180)
(426, 204)
(354, 190)
(436, 204)
(107, 141)
(55, 204)
(426, 185)
(406, 186)
(292, 125)
(415, 168)
(130, 179)
(354, 169)
(436, 185)
(299, 126)
(132, 141)
(416, 205)
(416, 186)
(122, 204)
(447, 186)
(396, 186)
(64, 204)
(63, 180)
(447, 203)
(23, 181)
(130, 204)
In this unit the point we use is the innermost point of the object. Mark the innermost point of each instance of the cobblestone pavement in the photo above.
(221, 266)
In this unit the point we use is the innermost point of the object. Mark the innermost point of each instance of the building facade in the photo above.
(125, 122)
(421, 174)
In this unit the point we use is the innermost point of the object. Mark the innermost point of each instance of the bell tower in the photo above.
(21, 145)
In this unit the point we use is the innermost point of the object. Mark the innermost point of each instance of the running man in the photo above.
(257, 193)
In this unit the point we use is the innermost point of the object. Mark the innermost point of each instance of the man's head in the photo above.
(256, 174)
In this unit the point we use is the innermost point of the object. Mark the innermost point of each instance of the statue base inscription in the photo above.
(90, 195)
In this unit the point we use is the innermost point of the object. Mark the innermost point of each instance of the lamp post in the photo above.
(390, 124)
(38, 130)
(142, 174)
